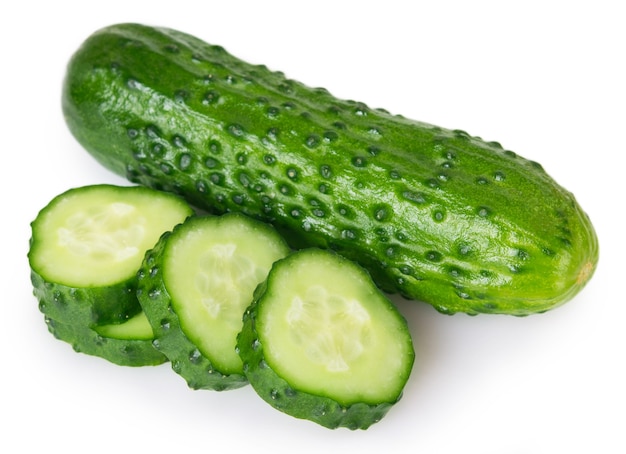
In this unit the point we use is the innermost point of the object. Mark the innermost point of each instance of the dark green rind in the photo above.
(278, 393)
(123, 352)
(185, 358)
(87, 306)
(433, 214)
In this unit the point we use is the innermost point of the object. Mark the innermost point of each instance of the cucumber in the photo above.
(433, 214)
(85, 249)
(194, 287)
(125, 344)
(321, 342)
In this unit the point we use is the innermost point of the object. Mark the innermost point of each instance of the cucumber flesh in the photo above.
(137, 327)
(97, 235)
(321, 342)
(194, 287)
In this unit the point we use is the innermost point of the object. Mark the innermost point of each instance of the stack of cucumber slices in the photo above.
(137, 277)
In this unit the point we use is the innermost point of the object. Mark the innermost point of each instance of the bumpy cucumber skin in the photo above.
(185, 358)
(88, 306)
(123, 352)
(433, 214)
(277, 392)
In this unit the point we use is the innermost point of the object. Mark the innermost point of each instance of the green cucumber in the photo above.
(194, 287)
(433, 214)
(125, 344)
(321, 342)
(87, 245)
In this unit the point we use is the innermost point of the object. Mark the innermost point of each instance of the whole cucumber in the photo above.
(434, 214)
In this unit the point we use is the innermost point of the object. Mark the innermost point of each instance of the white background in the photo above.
(544, 78)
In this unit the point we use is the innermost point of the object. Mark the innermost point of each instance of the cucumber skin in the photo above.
(123, 352)
(280, 395)
(154, 298)
(433, 214)
(87, 306)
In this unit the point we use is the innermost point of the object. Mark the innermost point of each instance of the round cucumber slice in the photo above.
(321, 342)
(87, 245)
(194, 287)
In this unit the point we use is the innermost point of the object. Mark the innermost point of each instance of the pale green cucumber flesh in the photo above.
(321, 342)
(138, 327)
(195, 286)
(97, 235)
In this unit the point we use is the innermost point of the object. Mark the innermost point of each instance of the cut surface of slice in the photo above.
(97, 235)
(137, 327)
(195, 286)
(321, 335)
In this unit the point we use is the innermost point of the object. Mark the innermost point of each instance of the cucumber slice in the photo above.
(194, 287)
(124, 344)
(87, 245)
(321, 342)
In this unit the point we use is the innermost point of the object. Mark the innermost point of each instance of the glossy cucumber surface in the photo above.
(434, 214)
